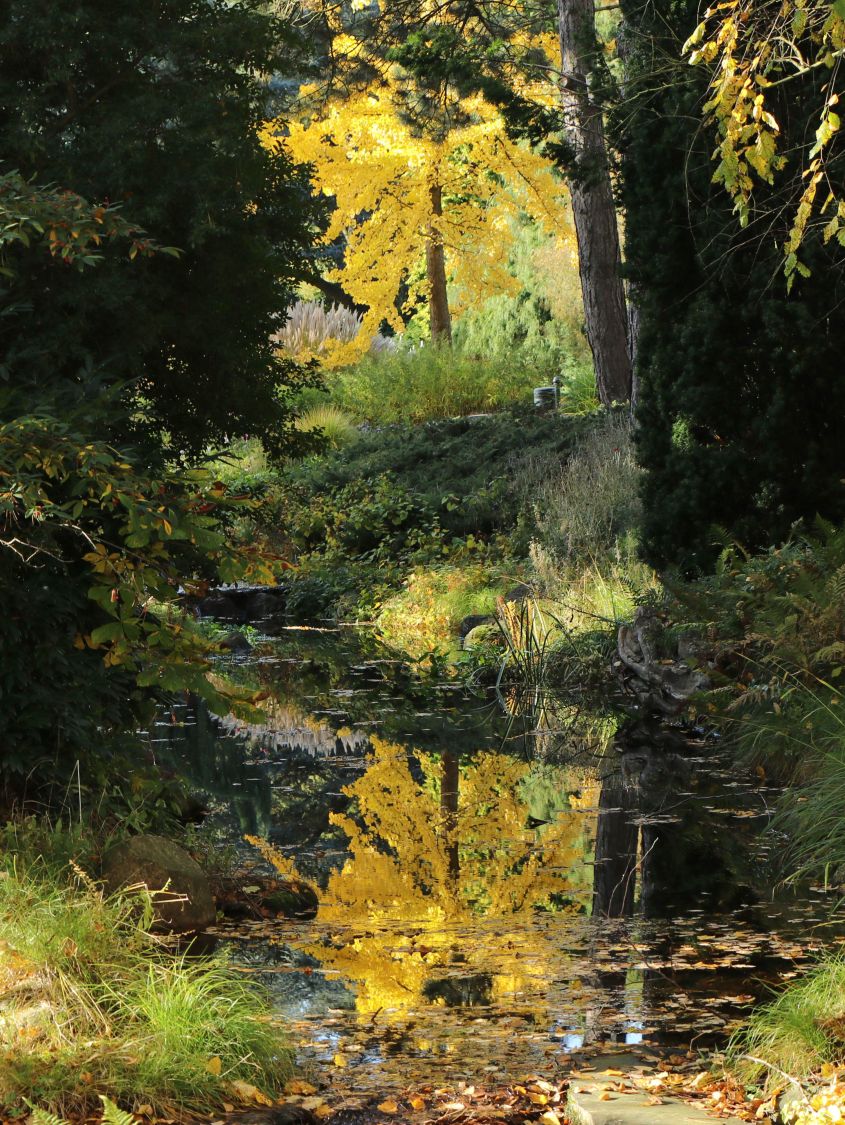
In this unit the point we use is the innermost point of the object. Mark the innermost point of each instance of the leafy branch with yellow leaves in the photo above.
(756, 51)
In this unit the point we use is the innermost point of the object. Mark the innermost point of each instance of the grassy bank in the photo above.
(92, 1005)
(416, 527)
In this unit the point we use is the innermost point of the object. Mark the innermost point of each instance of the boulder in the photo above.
(186, 904)
(242, 605)
(473, 621)
(483, 635)
(235, 642)
(223, 607)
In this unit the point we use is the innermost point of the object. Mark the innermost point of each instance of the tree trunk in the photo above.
(593, 210)
(615, 869)
(435, 265)
(449, 786)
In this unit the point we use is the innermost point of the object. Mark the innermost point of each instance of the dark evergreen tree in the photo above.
(156, 105)
(741, 411)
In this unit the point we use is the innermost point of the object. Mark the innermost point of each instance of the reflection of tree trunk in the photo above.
(449, 784)
(650, 880)
(593, 210)
(615, 870)
(435, 266)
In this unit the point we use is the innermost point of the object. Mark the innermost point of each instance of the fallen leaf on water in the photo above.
(339, 1060)
(417, 1102)
(298, 1086)
(388, 1106)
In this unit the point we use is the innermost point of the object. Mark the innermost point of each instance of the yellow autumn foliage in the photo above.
(380, 174)
(401, 876)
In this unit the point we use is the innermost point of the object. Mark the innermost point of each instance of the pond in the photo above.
(507, 882)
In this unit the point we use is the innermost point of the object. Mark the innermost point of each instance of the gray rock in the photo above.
(483, 635)
(186, 906)
(586, 1107)
(473, 621)
(235, 642)
(241, 605)
(294, 899)
(222, 607)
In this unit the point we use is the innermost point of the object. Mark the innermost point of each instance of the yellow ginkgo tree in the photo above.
(430, 853)
(419, 212)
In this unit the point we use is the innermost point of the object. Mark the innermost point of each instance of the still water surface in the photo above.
(505, 882)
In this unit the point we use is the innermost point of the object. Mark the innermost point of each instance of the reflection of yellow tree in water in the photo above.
(439, 852)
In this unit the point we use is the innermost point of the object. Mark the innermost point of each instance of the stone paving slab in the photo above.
(586, 1108)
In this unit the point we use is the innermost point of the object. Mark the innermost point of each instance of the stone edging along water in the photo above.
(586, 1107)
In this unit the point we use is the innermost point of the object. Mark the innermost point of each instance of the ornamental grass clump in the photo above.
(796, 1033)
(92, 1006)
(587, 504)
(333, 424)
(310, 326)
(426, 383)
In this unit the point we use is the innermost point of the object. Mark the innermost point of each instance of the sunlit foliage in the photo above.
(380, 171)
(759, 52)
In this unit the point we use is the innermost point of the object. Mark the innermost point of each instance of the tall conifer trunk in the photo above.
(435, 264)
(593, 210)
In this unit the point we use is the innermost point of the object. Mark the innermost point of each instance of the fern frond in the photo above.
(113, 1114)
(39, 1116)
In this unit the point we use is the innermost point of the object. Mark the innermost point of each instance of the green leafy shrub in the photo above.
(92, 555)
(425, 614)
(94, 542)
(462, 469)
(777, 619)
(356, 522)
(540, 327)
